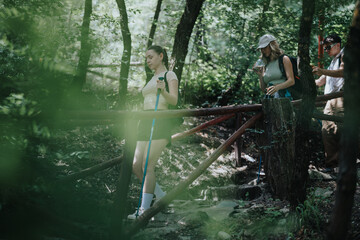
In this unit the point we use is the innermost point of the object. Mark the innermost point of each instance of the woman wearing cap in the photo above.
(272, 81)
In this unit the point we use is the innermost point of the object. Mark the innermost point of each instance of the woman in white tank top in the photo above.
(157, 60)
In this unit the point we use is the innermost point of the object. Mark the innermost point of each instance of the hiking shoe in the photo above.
(133, 216)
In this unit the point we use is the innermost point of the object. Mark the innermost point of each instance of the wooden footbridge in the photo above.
(129, 119)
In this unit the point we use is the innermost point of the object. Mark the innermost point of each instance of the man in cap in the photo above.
(332, 78)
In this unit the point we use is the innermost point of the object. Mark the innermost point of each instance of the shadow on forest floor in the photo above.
(220, 204)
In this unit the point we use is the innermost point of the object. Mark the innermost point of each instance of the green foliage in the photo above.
(39, 46)
(309, 212)
(232, 29)
(208, 79)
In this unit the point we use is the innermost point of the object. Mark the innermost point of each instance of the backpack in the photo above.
(296, 89)
(178, 120)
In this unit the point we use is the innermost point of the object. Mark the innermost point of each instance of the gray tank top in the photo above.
(273, 74)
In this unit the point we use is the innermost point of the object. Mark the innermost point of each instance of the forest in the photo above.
(239, 166)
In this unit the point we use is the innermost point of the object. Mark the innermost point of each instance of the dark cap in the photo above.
(332, 38)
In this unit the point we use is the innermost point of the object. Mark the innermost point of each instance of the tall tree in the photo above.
(307, 107)
(151, 37)
(201, 41)
(263, 18)
(183, 34)
(346, 183)
(85, 50)
(125, 59)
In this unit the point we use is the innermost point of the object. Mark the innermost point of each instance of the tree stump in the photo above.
(279, 149)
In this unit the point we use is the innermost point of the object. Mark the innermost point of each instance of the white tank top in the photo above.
(150, 90)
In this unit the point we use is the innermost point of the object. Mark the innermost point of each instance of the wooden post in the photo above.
(122, 186)
(279, 136)
(238, 142)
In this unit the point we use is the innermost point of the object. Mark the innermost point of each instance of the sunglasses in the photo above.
(327, 48)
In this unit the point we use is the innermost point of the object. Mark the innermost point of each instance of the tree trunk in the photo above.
(262, 23)
(346, 183)
(279, 158)
(201, 44)
(85, 50)
(263, 19)
(122, 186)
(148, 71)
(306, 109)
(183, 34)
(125, 59)
(321, 15)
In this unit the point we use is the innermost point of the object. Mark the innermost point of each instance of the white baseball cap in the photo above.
(265, 40)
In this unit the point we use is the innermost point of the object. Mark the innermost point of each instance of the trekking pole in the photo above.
(258, 179)
(148, 150)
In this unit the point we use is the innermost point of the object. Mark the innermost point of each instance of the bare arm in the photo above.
(260, 72)
(331, 73)
(262, 84)
(289, 78)
(320, 81)
(171, 96)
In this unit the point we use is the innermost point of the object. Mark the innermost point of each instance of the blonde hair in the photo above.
(276, 52)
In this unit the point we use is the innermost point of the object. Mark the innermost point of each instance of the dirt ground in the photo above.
(89, 201)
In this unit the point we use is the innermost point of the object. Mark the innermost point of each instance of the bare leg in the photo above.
(138, 158)
(157, 146)
(138, 163)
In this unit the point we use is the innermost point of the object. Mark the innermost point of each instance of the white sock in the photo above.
(158, 191)
(146, 200)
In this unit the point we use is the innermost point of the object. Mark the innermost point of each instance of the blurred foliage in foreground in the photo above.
(39, 45)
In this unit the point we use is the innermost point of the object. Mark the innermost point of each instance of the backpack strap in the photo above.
(166, 82)
(340, 57)
(281, 65)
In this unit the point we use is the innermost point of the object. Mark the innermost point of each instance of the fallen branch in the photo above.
(88, 171)
(163, 202)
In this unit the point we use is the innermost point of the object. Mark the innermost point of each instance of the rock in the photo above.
(323, 192)
(240, 213)
(223, 235)
(247, 192)
(284, 210)
(148, 233)
(315, 174)
(227, 203)
(221, 211)
(239, 177)
(244, 192)
(195, 219)
(247, 157)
